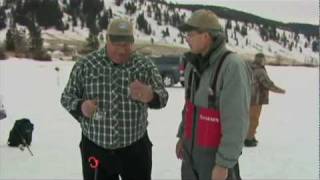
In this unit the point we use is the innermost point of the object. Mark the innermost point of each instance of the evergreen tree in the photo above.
(53, 14)
(284, 39)
(149, 12)
(8, 3)
(2, 52)
(118, 2)
(277, 37)
(244, 31)
(316, 45)
(308, 37)
(157, 15)
(36, 41)
(110, 12)
(45, 13)
(166, 17)
(181, 37)
(91, 9)
(165, 33)
(91, 24)
(143, 25)
(74, 9)
(130, 8)
(226, 35)
(290, 46)
(264, 33)
(21, 14)
(92, 6)
(36, 44)
(3, 18)
(237, 27)
(273, 33)
(75, 4)
(82, 20)
(141, 22)
(104, 21)
(10, 39)
(175, 19)
(228, 24)
(183, 16)
(296, 37)
(31, 8)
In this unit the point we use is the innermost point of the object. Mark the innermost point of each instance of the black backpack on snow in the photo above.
(21, 133)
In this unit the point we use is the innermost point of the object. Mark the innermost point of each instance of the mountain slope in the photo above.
(161, 20)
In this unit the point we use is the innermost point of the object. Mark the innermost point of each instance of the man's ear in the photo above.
(208, 36)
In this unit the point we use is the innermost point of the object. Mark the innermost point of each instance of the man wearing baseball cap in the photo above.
(108, 93)
(216, 111)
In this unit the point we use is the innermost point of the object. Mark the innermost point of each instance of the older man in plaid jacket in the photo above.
(109, 92)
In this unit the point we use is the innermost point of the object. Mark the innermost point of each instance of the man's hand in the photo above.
(179, 149)
(219, 173)
(278, 90)
(281, 91)
(141, 92)
(88, 107)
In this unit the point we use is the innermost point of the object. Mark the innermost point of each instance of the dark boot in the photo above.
(250, 143)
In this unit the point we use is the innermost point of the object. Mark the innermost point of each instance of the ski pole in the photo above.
(28, 147)
(24, 143)
(94, 164)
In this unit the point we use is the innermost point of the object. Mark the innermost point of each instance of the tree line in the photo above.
(92, 14)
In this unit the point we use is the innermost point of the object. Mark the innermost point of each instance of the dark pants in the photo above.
(234, 173)
(131, 163)
(203, 171)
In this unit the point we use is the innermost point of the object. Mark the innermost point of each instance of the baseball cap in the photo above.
(203, 20)
(120, 30)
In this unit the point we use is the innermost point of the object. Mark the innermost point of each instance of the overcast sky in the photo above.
(301, 11)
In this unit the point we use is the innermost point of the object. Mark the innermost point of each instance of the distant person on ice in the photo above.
(109, 92)
(262, 84)
(217, 102)
(3, 113)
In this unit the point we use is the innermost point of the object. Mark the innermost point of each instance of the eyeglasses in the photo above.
(191, 34)
(122, 44)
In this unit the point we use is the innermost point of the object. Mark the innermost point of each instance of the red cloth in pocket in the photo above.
(209, 128)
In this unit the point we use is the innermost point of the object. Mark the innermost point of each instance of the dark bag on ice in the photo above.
(21, 133)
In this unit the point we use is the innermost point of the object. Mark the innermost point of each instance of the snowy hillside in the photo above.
(301, 49)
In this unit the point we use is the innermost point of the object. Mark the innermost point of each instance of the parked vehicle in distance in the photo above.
(182, 66)
(168, 66)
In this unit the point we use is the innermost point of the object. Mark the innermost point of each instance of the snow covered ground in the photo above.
(288, 133)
